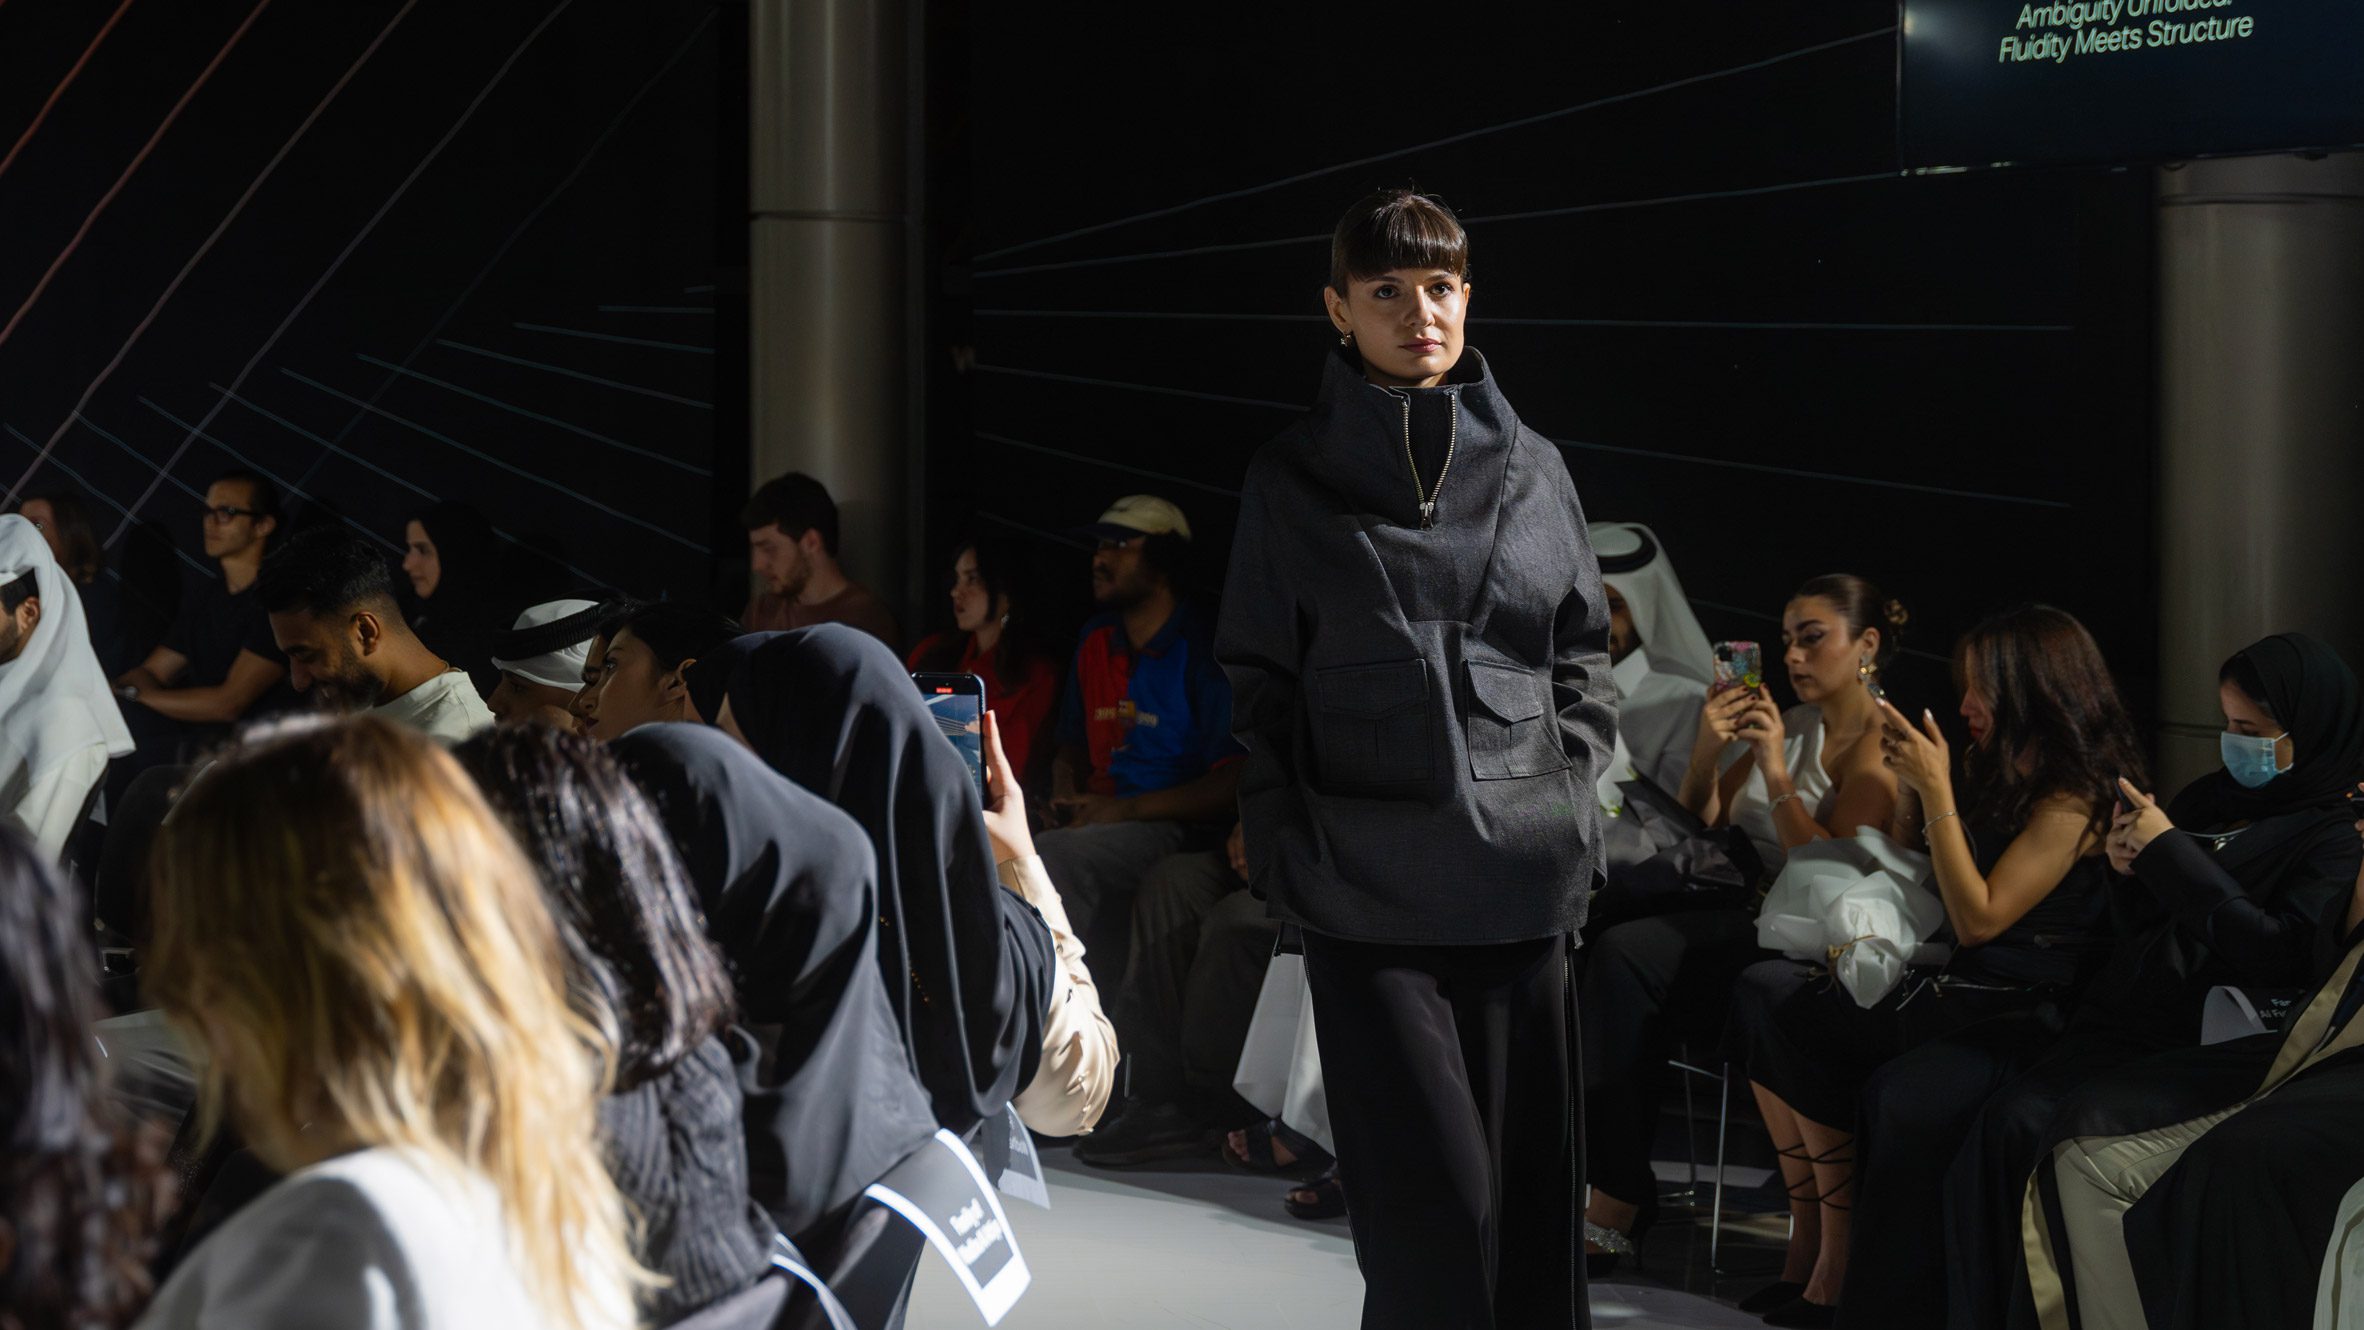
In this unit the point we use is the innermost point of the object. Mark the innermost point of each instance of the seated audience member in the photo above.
(641, 677)
(792, 550)
(2243, 879)
(333, 613)
(218, 660)
(1200, 946)
(452, 561)
(1147, 767)
(2217, 1186)
(2020, 866)
(79, 1189)
(123, 626)
(367, 962)
(639, 966)
(612, 614)
(1808, 774)
(59, 725)
(788, 886)
(988, 982)
(540, 660)
(1021, 681)
(1655, 856)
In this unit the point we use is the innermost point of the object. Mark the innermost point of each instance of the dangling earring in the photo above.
(1865, 670)
(1346, 339)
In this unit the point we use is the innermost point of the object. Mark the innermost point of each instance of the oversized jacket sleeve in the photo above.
(1259, 645)
(2287, 943)
(1581, 685)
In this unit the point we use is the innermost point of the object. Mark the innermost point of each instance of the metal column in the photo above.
(828, 338)
(2261, 423)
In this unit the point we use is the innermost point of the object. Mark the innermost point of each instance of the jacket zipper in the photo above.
(1425, 497)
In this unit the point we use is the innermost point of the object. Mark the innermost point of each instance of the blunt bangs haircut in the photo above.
(1396, 228)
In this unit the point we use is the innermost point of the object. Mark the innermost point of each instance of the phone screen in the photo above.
(957, 701)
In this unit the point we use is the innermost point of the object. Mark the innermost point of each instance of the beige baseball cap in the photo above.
(1139, 515)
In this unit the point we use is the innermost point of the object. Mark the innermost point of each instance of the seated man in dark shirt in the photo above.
(1146, 765)
(218, 659)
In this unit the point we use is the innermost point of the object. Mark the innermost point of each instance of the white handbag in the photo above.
(1865, 906)
(1280, 1065)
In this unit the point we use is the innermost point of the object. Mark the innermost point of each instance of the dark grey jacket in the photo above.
(1425, 709)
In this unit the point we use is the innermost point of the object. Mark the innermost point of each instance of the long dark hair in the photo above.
(997, 571)
(77, 1189)
(2060, 727)
(638, 959)
(76, 537)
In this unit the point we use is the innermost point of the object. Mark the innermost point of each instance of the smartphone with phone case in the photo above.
(1738, 665)
(957, 701)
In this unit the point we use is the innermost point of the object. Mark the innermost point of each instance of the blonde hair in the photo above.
(365, 952)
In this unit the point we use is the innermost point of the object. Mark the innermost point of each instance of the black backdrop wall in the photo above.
(1695, 264)
(383, 251)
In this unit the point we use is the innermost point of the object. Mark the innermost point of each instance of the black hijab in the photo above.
(468, 609)
(968, 965)
(2313, 695)
(786, 885)
(708, 678)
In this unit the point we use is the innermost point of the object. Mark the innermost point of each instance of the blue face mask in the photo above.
(2249, 757)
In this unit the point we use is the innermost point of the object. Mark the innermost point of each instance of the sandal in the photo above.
(1311, 1158)
(1328, 1198)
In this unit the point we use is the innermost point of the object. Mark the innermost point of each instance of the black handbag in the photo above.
(1659, 858)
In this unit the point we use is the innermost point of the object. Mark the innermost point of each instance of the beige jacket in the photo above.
(1070, 1091)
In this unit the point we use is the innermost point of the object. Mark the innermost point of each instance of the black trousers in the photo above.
(1201, 945)
(1986, 1278)
(1450, 1078)
(1647, 984)
(1917, 1114)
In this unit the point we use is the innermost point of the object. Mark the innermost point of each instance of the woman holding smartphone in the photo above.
(1813, 772)
(1417, 648)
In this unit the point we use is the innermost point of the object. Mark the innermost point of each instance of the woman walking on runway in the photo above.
(1417, 643)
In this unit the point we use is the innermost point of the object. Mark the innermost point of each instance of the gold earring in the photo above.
(1865, 670)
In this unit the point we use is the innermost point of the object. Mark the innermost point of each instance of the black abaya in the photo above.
(785, 882)
(969, 967)
(2236, 1232)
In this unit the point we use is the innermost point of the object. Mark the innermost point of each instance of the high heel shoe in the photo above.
(1615, 1246)
(1772, 1297)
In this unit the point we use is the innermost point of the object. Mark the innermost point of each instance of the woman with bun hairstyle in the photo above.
(1813, 772)
(2017, 851)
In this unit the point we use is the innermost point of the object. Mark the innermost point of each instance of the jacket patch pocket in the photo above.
(1372, 725)
(1513, 730)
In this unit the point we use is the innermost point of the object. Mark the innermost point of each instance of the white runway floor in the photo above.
(1202, 1248)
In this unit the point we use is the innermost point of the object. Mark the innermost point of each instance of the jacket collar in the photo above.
(1358, 439)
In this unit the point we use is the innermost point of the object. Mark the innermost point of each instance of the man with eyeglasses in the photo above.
(1146, 765)
(218, 659)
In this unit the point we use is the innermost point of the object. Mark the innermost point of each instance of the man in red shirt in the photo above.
(1146, 764)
